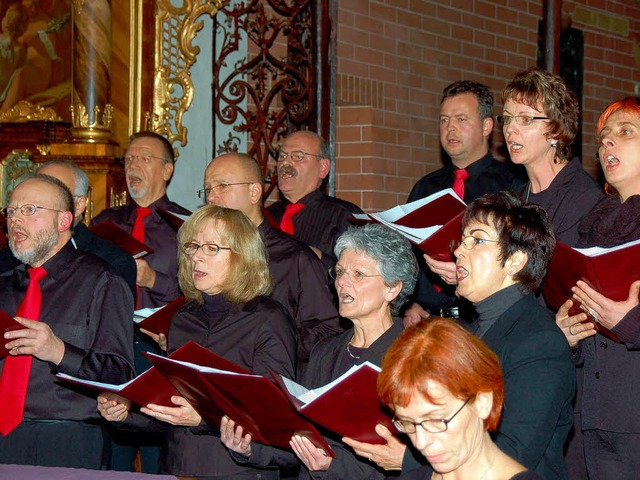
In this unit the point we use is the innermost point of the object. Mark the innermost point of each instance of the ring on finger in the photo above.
(571, 330)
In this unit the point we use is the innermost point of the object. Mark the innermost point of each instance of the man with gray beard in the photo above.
(304, 210)
(78, 323)
(148, 167)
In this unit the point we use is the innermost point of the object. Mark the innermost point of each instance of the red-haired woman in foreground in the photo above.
(446, 390)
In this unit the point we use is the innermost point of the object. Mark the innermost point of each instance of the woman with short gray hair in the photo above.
(375, 272)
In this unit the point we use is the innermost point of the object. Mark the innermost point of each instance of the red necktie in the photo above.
(16, 370)
(458, 184)
(137, 232)
(290, 211)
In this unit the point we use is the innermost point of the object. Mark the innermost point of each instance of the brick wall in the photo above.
(396, 56)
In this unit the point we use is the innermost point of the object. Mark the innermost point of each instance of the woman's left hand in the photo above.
(388, 456)
(604, 310)
(183, 414)
(313, 457)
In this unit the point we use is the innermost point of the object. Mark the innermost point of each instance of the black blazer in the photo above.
(539, 377)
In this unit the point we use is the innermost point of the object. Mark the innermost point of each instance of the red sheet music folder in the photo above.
(111, 232)
(160, 321)
(610, 271)
(430, 223)
(252, 401)
(349, 408)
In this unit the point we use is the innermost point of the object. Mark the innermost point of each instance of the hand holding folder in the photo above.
(609, 271)
(215, 387)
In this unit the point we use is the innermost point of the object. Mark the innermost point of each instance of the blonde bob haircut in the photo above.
(248, 271)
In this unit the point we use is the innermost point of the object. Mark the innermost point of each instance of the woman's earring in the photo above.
(554, 143)
(511, 272)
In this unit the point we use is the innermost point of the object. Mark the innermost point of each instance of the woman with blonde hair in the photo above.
(224, 276)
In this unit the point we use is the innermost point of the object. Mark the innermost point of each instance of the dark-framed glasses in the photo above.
(26, 210)
(431, 425)
(209, 249)
(295, 156)
(219, 188)
(522, 120)
(469, 242)
(355, 275)
(145, 159)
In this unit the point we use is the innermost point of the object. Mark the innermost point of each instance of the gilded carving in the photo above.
(24, 111)
(13, 167)
(176, 28)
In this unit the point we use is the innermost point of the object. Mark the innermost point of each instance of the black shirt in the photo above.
(89, 307)
(300, 285)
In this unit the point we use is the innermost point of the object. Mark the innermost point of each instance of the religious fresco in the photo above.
(36, 54)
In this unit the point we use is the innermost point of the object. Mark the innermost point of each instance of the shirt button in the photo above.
(597, 374)
(604, 345)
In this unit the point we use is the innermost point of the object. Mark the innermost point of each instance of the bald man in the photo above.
(299, 278)
(319, 219)
(84, 330)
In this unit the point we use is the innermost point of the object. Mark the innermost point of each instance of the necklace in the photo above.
(349, 351)
(528, 192)
(493, 460)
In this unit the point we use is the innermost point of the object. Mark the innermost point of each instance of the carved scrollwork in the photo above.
(24, 111)
(264, 79)
(176, 28)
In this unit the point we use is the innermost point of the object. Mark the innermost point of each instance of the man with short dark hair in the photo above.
(76, 313)
(305, 212)
(466, 123)
(300, 281)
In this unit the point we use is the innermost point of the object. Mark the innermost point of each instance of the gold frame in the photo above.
(174, 54)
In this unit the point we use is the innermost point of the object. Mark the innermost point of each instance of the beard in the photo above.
(137, 192)
(43, 242)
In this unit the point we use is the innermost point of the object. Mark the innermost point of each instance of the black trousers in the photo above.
(53, 444)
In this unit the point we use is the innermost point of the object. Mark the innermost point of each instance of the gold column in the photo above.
(91, 112)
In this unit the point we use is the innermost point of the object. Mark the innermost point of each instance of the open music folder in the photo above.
(610, 271)
(348, 406)
(216, 387)
(430, 223)
(158, 320)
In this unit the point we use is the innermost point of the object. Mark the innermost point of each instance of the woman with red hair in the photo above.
(609, 404)
(445, 388)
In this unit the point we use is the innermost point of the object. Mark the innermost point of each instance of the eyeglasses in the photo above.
(469, 242)
(296, 156)
(522, 120)
(355, 276)
(145, 159)
(218, 189)
(430, 425)
(209, 249)
(26, 210)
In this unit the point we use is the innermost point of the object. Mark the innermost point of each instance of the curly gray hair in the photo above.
(392, 253)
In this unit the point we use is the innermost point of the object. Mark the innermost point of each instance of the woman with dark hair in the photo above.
(375, 272)
(540, 120)
(445, 388)
(224, 276)
(610, 412)
(501, 260)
